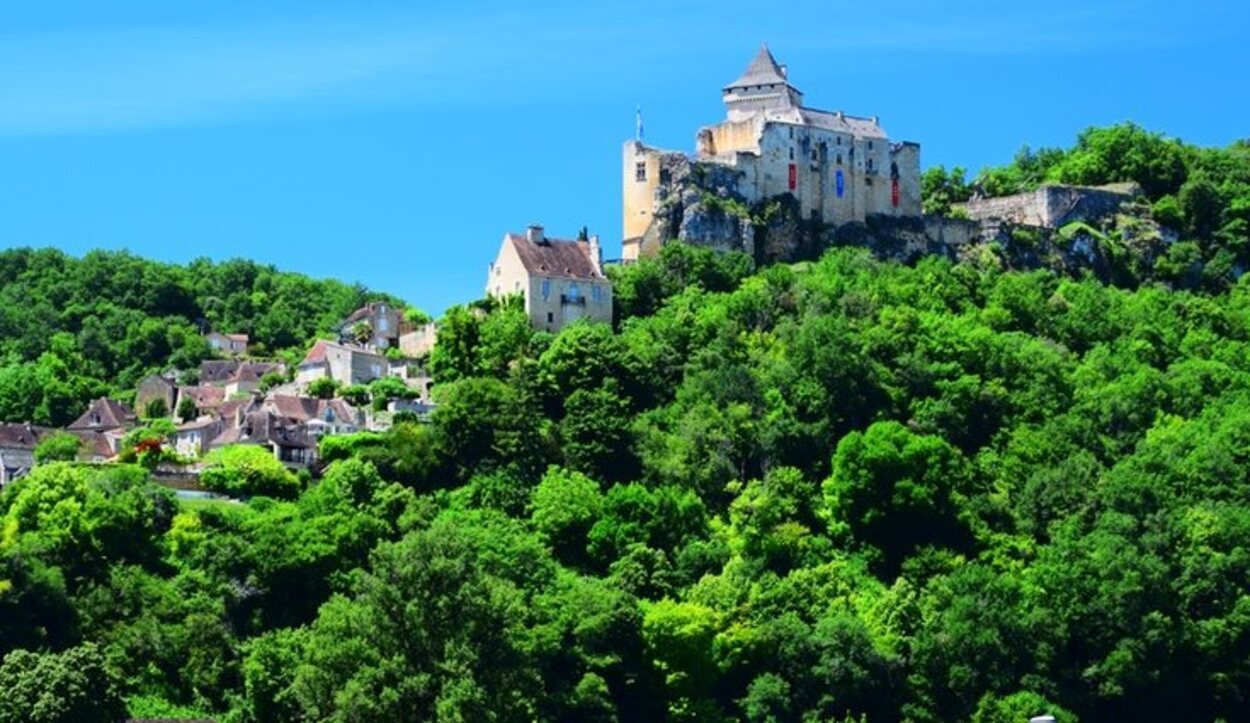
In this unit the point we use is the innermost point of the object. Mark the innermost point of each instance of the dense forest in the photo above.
(73, 329)
(842, 490)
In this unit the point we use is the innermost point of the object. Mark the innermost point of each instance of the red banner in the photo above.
(894, 193)
(794, 176)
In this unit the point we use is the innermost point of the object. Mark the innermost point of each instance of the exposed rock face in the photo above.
(1104, 232)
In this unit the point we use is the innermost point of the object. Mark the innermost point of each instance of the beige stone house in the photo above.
(345, 364)
(839, 167)
(234, 344)
(560, 281)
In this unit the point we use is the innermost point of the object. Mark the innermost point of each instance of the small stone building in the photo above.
(560, 281)
(343, 363)
(840, 168)
(378, 324)
(234, 344)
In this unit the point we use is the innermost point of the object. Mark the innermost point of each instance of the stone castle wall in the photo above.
(1050, 206)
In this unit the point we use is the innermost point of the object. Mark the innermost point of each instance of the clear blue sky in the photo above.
(394, 145)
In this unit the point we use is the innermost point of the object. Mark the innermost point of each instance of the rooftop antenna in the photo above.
(638, 128)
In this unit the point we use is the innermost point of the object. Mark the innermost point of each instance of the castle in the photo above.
(839, 168)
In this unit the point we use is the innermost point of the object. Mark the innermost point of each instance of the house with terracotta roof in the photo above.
(344, 363)
(561, 281)
(234, 344)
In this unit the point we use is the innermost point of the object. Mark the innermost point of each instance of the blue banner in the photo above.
(838, 182)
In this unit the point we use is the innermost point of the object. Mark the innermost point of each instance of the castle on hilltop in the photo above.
(839, 168)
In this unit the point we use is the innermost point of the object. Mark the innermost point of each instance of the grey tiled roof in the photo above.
(763, 70)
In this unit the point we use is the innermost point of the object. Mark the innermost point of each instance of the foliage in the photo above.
(68, 687)
(247, 470)
(323, 388)
(844, 490)
(58, 447)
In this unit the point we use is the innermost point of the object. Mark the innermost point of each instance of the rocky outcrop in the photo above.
(1103, 231)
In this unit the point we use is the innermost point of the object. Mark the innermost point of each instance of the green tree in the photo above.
(247, 470)
(71, 686)
(566, 505)
(896, 490)
(323, 388)
(58, 447)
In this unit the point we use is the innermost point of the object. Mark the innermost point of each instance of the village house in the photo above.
(375, 326)
(234, 344)
(17, 449)
(204, 398)
(104, 415)
(346, 365)
(191, 440)
(237, 377)
(156, 388)
(290, 442)
(560, 281)
(839, 167)
(320, 416)
(102, 427)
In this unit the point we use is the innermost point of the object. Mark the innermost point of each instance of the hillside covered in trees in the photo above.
(74, 329)
(840, 490)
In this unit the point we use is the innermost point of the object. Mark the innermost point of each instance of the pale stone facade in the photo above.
(380, 319)
(227, 343)
(345, 364)
(560, 281)
(840, 168)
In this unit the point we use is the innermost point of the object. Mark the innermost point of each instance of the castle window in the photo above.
(546, 288)
(792, 154)
(870, 145)
(640, 171)
(791, 132)
(870, 164)
(839, 159)
(550, 317)
(596, 293)
(839, 140)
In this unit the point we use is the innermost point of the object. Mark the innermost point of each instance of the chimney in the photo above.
(596, 251)
(534, 234)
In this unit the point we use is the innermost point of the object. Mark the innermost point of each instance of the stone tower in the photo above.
(763, 86)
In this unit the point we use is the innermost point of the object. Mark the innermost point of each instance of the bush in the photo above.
(58, 447)
(245, 470)
(323, 388)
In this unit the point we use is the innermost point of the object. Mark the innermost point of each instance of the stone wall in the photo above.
(1051, 206)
